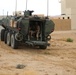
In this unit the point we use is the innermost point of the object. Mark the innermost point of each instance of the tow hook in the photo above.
(48, 44)
(48, 37)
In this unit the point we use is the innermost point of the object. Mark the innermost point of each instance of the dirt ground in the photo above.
(58, 59)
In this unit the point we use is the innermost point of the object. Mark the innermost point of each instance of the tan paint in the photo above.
(13, 23)
(62, 24)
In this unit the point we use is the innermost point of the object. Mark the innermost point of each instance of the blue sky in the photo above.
(39, 6)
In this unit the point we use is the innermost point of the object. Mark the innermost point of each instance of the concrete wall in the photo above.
(62, 24)
(70, 3)
(73, 22)
(69, 8)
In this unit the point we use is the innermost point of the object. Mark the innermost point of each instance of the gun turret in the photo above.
(28, 13)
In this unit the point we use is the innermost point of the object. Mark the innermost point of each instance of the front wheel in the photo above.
(14, 42)
(43, 47)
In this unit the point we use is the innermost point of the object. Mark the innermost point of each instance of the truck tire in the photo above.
(14, 42)
(8, 38)
(2, 34)
(5, 37)
(43, 47)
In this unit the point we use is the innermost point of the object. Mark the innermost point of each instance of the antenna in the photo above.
(26, 4)
(3, 13)
(47, 7)
(15, 7)
(7, 13)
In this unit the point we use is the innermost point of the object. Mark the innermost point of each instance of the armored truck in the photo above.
(27, 28)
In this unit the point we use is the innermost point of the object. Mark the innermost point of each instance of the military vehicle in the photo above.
(29, 29)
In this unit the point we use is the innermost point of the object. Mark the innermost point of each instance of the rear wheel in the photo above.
(14, 42)
(43, 47)
(8, 38)
(2, 34)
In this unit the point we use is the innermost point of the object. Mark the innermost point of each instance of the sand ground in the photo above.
(58, 59)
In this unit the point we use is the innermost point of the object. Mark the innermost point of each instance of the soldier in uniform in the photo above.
(34, 31)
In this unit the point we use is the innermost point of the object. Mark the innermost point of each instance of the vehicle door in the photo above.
(25, 25)
(49, 27)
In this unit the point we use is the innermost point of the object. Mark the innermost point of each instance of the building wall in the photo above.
(70, 3)
(69, 8)
(63, 7)
(2, 17)
(62, 24)
(73, 22)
